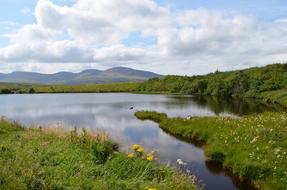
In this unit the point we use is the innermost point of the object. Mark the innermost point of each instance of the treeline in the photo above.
(243, 83)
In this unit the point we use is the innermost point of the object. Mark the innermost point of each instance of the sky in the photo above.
(185, 37)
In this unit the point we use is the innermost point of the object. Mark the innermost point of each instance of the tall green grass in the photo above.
(254, 147)
(40, 158)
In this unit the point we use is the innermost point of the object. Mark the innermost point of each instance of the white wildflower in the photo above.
(180, 162)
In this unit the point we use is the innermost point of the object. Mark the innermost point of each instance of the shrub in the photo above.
(32, 91)
(102, 151)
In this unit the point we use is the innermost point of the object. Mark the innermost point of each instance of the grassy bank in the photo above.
(36, 158)
(8, 88)
(254, 147)
(276, 96)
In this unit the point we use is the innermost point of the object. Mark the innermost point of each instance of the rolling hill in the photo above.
(90, 76)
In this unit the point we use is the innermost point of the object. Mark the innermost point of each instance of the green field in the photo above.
(254, 147)
(36, 158)
(8, 88)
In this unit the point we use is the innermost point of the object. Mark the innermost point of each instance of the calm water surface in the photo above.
(112, 113)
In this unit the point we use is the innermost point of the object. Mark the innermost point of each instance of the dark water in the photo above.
(112, 113)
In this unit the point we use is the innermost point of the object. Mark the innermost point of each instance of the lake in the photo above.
(111, 112)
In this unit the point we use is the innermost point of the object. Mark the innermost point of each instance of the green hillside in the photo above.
(269, 83)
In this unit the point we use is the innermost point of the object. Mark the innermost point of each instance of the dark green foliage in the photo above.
(217, 157)
(32, 91)
(201, 86)
(6, 91)
(102, 151)
(244, 83)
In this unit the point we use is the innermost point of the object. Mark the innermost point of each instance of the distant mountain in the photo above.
(116, 74)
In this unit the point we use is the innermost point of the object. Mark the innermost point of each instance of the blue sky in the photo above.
(158, 35)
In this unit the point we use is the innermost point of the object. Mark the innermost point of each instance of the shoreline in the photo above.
(226, 145)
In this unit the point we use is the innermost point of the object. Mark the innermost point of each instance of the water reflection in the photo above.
(225, 105)
(111, 113)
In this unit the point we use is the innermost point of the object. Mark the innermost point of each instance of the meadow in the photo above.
(53, 158)
(8, 88)
(254, 147)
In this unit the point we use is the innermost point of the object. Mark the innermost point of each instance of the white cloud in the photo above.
(50, 51)
(119, 53)
(185, 40)
(101, 21)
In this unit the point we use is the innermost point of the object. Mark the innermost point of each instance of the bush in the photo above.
(32, 90)
(102, 151)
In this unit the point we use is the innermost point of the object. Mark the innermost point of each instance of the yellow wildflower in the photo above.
(151, 188)
(150, 158)
(131, 155)
(136, 147)
(140, 150)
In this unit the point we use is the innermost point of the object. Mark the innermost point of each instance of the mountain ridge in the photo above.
(88, 76)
